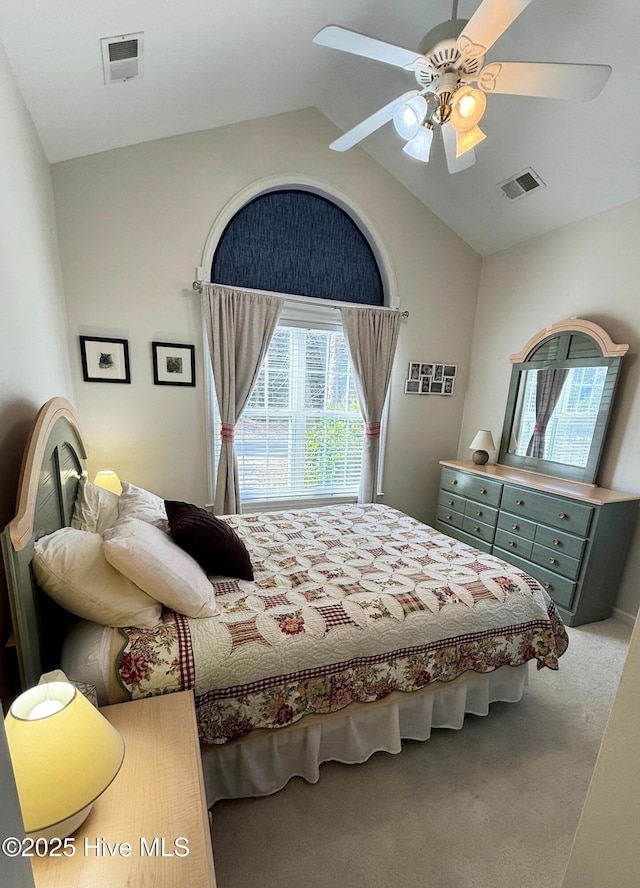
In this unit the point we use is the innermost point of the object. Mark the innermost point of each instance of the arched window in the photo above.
(299, 440)
(298, 242)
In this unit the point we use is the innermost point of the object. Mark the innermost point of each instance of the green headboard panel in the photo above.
(53, 462)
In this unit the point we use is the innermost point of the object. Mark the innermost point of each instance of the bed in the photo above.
(360, 627)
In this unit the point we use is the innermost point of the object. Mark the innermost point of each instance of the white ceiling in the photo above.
(213, 62)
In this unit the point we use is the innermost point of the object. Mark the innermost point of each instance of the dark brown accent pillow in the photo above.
(212, 542)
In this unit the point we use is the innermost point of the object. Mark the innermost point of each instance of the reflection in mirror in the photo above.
(560, 400)
(556, 413)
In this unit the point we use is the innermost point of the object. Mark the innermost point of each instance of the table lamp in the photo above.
(482, 443)
(64, 754)
(108, 479)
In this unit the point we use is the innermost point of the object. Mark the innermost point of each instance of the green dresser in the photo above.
(573, 538)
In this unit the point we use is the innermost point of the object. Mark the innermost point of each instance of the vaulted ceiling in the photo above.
(207, 64)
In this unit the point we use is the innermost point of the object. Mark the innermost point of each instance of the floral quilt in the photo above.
(348, 604)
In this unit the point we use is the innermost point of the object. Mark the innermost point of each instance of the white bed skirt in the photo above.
(262, 763)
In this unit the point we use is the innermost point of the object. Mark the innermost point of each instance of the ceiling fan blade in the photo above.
(371, 124)
(490, 20)
(358, 44)
(547, 80)
(455, 164)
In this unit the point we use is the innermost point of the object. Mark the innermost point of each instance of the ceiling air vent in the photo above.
(521, 185)
(122, 57)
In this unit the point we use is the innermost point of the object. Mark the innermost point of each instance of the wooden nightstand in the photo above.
(158, 795)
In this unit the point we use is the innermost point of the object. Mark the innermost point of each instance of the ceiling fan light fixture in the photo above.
(408, 116)
(468, 109)
(420, 146)
(468, 140)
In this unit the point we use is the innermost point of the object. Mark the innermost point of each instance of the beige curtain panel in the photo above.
(372, 336)
(239, 326)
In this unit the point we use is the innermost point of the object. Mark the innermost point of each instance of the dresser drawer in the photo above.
(513, 543)
(453, 481)
(558, 562)
(450, 516)
(559, 588)
(480, 512)
(478, 529)
(484, 490)
(467, 538)
(562, 513)
(514, 524)
(561, 542)
(451, 501)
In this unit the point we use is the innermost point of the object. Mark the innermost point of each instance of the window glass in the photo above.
(301, 433)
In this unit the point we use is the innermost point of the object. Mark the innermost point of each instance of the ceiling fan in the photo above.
(453, 81)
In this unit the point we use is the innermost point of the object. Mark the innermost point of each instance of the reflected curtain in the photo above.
(549, 385)
(239, 327)
(371, 335)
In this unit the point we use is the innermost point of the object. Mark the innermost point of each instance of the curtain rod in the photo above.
(327, 303)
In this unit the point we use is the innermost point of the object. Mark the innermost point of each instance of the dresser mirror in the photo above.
(560, 400)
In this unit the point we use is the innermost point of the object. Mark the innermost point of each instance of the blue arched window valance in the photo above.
(299, 242)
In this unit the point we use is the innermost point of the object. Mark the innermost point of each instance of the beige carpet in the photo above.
(494, 805)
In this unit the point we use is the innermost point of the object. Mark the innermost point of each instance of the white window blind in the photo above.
(300, 437)
(570, 429)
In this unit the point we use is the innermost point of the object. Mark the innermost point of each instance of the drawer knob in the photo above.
(519, 503)
(511, 543)
(477, 529)
(449, 517)
(455, 481)
(478, 513)
(450, 502)
(547, 585)
(483, 490)
(514, 527)
(561, 515)
(556, 542)
(552, 561)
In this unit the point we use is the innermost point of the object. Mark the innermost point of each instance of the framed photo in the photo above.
(436, 388)
(174, 363)
(414, 370)
(425, 385)
(449, 370)
(448, 385)
(412, 387)
(437, 372)
(104, 359)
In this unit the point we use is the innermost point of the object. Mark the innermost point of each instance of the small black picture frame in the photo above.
(105, 359)
(174, 363)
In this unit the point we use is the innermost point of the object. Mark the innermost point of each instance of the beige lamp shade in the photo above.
(64, 754)
(108, 479)
(481, 444)
(483, 441)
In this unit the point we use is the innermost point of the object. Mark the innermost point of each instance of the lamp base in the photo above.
(480, 457)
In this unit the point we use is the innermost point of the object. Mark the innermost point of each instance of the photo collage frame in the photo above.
(430, 378)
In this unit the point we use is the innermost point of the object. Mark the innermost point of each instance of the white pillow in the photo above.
(136, 502)
(95, 508)
(70, 566)
(154, 562)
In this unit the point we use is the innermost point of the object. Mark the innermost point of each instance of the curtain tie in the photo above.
(372, 429)
(539, 429)
(227, 433)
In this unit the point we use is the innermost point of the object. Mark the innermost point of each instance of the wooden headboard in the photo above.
(53, 462)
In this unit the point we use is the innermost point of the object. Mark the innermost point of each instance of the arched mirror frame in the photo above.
(552, 348)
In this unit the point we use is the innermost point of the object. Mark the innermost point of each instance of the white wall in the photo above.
(34, 364)
(606, 851)
(590, 270)
(133, 223)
